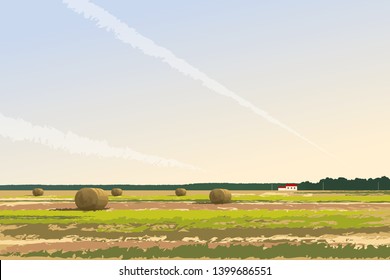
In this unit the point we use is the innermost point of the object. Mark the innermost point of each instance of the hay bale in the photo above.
(91, 199)
(37, 192)
(180, 192)
(219, 196)
(116, 192)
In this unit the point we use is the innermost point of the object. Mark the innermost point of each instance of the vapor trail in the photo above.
(130, 36)
(20, 130)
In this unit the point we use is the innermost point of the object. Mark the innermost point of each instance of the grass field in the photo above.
(160, 225)
(202, 196)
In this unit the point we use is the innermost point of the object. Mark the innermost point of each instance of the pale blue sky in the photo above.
(321, 67)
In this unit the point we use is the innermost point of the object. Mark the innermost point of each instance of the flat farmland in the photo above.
(158, 224)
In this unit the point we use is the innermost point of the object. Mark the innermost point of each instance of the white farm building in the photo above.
(288, 187)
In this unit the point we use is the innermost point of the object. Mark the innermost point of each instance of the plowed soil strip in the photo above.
(198, 206)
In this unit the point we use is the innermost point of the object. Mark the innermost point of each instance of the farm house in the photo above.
(288, 187)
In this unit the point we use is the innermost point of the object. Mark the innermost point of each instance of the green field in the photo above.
(248, 196)
(208, 219)
(295, 231)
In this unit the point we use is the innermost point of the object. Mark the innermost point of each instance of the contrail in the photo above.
(130, 36)
(20, 130)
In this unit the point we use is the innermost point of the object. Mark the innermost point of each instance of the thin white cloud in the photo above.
(20, 130)
(130, 36)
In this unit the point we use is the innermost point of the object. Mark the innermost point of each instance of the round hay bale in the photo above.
(219, 196)
(116, 192)
(37, 192)
(91, 199)
(180, 192)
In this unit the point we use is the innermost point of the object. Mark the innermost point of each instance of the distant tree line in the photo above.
(327, 184)
(382, 183)
(196, 186)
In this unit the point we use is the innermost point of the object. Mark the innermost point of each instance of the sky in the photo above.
(320, 67)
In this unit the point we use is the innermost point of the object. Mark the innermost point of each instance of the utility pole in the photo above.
(272, 187)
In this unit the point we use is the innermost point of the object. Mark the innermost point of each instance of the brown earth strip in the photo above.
(198, 206)
(67, 244)
(94, 231)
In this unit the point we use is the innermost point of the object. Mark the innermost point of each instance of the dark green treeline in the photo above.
(327, 184)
